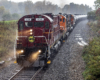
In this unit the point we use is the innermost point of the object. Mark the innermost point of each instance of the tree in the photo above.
(21, 7)
(2, 10)
(97, 4)
(7, 16)
(15, 16)
(28, 7)
(91, 15)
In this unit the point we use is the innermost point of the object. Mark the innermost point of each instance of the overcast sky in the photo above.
(61, 3)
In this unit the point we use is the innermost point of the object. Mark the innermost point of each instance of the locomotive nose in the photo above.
(38, 32)
(31, 39)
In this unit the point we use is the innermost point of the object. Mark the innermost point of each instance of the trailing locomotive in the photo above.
(39, 35)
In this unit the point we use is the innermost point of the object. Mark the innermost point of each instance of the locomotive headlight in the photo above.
(22, 51)
(39, 51)
(31, 33)
(31, 30)
(19, 52)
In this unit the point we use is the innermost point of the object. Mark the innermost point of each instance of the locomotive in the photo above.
(40, 35)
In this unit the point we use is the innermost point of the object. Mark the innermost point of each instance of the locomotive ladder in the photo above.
(26, 74)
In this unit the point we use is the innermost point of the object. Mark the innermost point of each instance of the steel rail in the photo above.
(33, 77)
(16, 73)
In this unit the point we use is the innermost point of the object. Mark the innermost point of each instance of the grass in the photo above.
(7, 36)
(8, 22)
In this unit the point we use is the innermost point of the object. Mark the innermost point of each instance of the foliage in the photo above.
(92, 58)
(76, 8)
(8, 22)
(8, 9)
(15, 16)
(2, 10)
(7, 16)
(91, 15)
(97, 4)
(98, 17)
(28, 7)
(7, 36)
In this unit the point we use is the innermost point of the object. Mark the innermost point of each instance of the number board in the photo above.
(39, 19)
(27, 19)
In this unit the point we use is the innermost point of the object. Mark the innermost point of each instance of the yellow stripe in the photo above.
(15, 61)
(47, 32)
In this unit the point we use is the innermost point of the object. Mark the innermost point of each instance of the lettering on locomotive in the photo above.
(31, 39)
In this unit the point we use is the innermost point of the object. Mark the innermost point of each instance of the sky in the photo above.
(61, 3)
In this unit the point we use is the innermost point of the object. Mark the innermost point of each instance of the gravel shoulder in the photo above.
(68, 64)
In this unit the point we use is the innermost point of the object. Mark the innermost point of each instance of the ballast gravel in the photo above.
(68, 63)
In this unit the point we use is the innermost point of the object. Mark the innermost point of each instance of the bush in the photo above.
(7, 37)
(92, 58)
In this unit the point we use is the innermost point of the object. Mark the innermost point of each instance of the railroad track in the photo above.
(26, 74)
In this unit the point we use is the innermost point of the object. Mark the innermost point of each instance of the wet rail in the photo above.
(26, 74)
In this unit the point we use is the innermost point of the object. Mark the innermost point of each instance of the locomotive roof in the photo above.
(51, 20)
(48, 17)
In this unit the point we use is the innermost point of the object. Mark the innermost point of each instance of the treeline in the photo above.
(76, 8)
(91, 15)
(28, 7)
(94, 15)
(6, 15)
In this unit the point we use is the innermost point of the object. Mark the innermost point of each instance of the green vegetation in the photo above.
(92, 58)
(7, 36)
(91, 53)
(6, 15)
(91, 15)
(8, 22)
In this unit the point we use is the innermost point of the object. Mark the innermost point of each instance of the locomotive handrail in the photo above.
(49, 34)
(21, 36)
(44, 37)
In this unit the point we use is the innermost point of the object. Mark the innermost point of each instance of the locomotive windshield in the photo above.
(47, 25)
(38, 24)
(21, 25)
(63, 20)
(28, 24)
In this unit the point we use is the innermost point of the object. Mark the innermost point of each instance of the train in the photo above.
(41, 35)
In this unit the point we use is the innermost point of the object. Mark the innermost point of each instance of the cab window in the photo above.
(38, 24)
(28, 24)
(46, 25)
(63, 20)
(21, 25)
(60, 19)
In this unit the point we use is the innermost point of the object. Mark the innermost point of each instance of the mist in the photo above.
(28, 7)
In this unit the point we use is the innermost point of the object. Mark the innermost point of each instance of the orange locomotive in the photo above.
(64, 24)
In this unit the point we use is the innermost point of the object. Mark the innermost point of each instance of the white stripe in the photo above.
(81, 44)
(84, 42)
